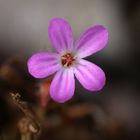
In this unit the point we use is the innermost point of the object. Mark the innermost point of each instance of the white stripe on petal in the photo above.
(43, 64)
(60, 34)
(92, 41)
(90, 75)
(63, 86)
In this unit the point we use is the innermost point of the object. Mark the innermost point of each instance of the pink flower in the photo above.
(68, 60)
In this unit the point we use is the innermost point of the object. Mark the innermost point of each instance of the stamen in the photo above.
(67, 60)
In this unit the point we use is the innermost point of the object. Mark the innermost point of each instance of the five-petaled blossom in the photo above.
(67, 60)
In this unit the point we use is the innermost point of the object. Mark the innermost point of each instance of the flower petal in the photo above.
(43, 64)
(91, 41)
(63, 86)
(60, 34)
(90, 75)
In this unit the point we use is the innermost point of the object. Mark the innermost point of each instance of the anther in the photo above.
(67, 60)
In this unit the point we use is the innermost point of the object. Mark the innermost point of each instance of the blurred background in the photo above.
(114, 112)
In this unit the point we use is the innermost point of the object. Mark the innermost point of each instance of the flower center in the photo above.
(67, 59)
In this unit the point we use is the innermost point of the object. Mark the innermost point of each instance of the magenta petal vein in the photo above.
(67, 62)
